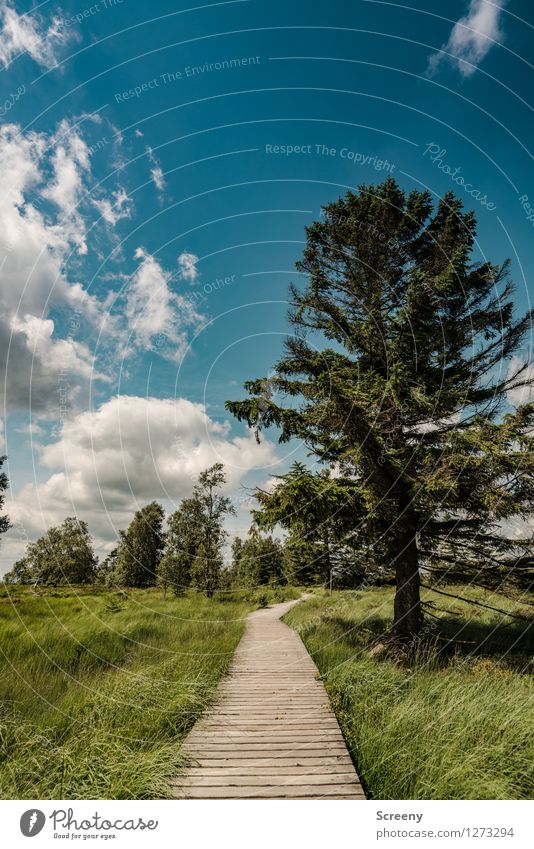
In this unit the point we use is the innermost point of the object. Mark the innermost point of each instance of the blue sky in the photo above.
(159, 164)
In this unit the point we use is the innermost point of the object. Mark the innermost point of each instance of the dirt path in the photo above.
(272, 734)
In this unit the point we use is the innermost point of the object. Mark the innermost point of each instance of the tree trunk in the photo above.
(407, 613)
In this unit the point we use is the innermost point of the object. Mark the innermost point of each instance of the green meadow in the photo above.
(98, 689)
(457, 722)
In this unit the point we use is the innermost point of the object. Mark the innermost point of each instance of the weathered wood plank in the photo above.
(288, 780)
(314, 791)
(270, 763)
(272, 733)
(273, 771)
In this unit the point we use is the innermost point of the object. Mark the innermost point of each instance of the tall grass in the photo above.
(97, 690)
(457, 724)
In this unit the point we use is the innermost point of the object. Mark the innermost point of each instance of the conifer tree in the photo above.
(397, 374)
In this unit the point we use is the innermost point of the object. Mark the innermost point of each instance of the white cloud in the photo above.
(158, 318)
(472, 37)
(187, 263)
(114, 209)
(23, 34)
(523, 394)
(31, 429)
(156, 172)
(42, 176)
(435, 424)
(131, 450)
(62, 356)
(70, 161)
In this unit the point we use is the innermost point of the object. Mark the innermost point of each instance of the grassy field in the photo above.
(458, 724)
(98, 689)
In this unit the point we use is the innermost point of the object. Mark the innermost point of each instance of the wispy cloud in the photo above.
(472, 37)
(156, 172)
(24, 34)
(187, 263)
(115, 208)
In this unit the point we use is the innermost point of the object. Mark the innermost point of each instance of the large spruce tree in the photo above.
(397, 375)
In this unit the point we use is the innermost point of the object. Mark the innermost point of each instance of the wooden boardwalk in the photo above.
(272, 734)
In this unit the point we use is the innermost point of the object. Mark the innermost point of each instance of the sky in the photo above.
(159, 164)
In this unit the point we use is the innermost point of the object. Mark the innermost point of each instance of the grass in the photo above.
(458, 723)
(98, 689)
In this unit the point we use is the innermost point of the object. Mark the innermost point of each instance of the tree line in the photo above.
(188, 553)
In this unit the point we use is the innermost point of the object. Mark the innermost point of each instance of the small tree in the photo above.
(19, 574)
(318, 512)
(258, 560)
(206, 569)
(183, 540)
(64, 555)
(4, 483)
(106, 569)
(210, 536)
(140, 548)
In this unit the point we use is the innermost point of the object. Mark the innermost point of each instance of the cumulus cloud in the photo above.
(158, 318)
(25, 34)
(62, 356)
(70, 162)
(187, 263)
(472, 37)
(129, 451)
(42, 177)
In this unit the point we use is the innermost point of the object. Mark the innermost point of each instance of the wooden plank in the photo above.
(281, 750)
(224, 734)
(272, 733)
(269, 769)
(288, 780)
(313, 791)
(270, 763)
